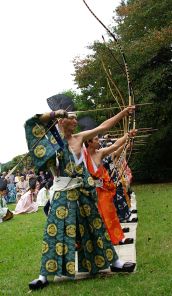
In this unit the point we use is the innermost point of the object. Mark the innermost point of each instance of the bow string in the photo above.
(130, 91)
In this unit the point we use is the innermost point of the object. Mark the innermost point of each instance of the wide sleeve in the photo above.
(41, 143)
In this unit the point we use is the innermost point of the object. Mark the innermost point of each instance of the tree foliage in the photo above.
(23, 161)
(144, 29)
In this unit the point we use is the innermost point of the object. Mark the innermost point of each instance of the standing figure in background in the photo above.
(42, 179)
(44, 194)
(11, 194)
(21, 187)
(17, 177)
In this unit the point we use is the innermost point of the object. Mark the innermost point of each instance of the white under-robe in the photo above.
(3, 209)
(42, 197)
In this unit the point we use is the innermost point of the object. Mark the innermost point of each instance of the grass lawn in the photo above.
(20, 250)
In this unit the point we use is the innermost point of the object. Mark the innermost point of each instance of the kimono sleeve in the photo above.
(41, 143)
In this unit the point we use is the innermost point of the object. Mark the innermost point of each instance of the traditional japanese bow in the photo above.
(130, 89)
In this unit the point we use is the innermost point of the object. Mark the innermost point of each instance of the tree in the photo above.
(145, 33)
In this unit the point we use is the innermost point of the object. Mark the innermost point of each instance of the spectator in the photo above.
(11, 194)
(17, 177)
(27, 202)
(44, 195)
(5, 213)
(21, 187)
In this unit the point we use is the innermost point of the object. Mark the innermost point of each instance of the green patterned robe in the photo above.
(74, 218)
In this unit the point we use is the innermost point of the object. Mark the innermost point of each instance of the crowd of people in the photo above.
(86, 194)
(27, 190)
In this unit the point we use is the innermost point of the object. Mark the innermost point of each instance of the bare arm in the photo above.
(118, 145)
(114, 147)
(118, 152)
(107, 124)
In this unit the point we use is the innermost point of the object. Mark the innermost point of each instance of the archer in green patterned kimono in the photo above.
(73, 217)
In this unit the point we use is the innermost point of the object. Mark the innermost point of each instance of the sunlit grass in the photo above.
(20, 249)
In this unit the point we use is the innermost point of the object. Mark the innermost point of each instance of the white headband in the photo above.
(72, 114)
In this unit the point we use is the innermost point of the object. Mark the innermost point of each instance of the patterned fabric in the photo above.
(106, 206)
(121, 204)
(124, 186)
(11, 193)
(74, 218)
(120, 201)
(42, 153)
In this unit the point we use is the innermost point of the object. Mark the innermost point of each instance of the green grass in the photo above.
(20, 250)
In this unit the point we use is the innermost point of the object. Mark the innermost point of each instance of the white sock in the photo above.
(42, 278)
(130, 218)
(118, 263)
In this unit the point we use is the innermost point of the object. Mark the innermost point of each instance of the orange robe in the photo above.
(106, 205)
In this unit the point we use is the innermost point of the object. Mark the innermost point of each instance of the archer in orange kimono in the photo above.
(105, 187)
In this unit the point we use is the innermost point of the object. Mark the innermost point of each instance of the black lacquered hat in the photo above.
(60, 101)
(64, 102)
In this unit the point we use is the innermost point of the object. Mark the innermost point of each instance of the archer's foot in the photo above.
(38, 284)
(127, 267)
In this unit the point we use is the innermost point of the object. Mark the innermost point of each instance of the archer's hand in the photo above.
(61, 113)
(132, 133)
(129, 110)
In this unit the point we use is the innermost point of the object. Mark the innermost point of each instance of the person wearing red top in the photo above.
(105, 186)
